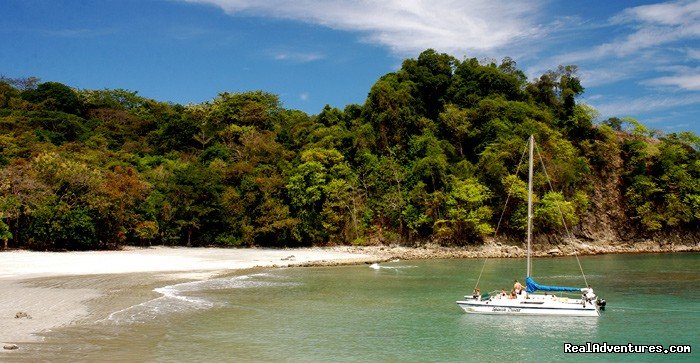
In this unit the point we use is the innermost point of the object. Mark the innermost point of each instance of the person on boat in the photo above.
(513, 295)
(588, 294)
(477, 294)
(503, 293)
(518, 287)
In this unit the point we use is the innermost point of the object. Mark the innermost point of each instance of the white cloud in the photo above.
(670, 13)
(693, 54)
(302, 57)
(592, 77)
(304, 96)
(684, 82)
(652, 26)
(684, 78)
(78, 33)
(629, 106)
(648, 40)
(409, 26)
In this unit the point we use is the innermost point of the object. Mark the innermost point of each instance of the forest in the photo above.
(431, 156)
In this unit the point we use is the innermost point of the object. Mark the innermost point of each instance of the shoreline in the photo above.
(504, 250)
(63, 288)
(57, 289)
(509, 250)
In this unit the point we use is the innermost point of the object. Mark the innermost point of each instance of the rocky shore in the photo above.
(509, 250)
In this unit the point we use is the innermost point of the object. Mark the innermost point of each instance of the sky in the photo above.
(636, 58)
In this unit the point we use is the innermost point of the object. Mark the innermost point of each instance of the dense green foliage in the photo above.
(432, 154)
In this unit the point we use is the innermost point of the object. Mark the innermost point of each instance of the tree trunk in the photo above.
(189, 237)
(15, 233)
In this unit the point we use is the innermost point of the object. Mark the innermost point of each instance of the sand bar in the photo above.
(33, 282)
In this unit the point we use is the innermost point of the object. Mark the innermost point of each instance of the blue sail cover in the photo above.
(532, 286)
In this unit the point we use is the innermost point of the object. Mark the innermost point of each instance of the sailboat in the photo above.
(524, 300)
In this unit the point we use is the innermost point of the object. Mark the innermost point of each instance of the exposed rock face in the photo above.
(10, 346)
(606, 219)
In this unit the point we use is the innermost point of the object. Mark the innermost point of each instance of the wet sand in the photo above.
(61, 288)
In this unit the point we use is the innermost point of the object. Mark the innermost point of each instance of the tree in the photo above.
(557, 90)
(66, 218)
(124, 191)
(112, 99)
(7, 92)
(430, 162)
(468, 214)
(432, 74)
(21, 193)
(569, 87)
(22, 84)
(55, 96)
(614, 123)
(341, 210)
(305, 190)
(473, 81)
(330, 116)
(419, 219)
(176, 133)
(389, 108)
(194, 193)
(5, 234)
(642, 196)
(553, 212)
(458, 125)
(255, 108)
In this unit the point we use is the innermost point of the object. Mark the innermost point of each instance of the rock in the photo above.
(290, 257)
(22, 314)
(10, 346)
(554, 252)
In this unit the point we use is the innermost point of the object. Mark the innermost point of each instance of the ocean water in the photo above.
(402, 312)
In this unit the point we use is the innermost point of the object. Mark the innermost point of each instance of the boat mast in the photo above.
(529, 208)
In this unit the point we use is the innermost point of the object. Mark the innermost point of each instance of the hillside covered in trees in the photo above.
(430, 156)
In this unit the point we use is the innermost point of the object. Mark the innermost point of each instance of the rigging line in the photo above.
(563, 221)
(517, 170)
(495, 233)
(480, 273)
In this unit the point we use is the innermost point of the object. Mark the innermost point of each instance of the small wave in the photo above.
(376, 266)
(178, 298)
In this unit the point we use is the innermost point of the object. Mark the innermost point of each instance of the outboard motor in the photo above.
(601, 304)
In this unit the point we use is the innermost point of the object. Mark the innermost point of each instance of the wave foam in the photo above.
(179, 297)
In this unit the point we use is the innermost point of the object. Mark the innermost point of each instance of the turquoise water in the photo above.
(404, 311)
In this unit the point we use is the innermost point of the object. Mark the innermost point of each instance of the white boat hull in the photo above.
(533, 305)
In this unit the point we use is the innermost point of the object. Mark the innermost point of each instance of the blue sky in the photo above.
(636, 58)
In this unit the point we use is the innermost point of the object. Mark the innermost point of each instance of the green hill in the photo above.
(430, 156)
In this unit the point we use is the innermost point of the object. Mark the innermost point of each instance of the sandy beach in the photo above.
(56, 289)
